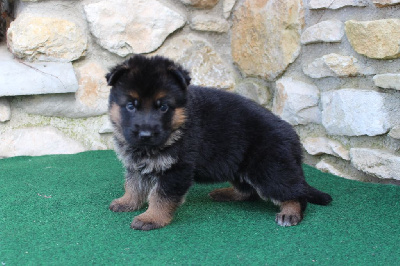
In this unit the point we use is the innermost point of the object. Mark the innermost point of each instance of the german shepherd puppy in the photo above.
(169, 135)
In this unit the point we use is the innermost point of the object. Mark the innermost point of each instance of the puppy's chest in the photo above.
(148, 165)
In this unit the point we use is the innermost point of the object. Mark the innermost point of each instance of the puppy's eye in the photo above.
(164, 108)
(130, 107)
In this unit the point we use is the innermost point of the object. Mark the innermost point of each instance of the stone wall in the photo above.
(328, 67)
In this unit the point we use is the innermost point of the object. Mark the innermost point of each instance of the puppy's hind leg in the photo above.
(291, 213)
(239, 192)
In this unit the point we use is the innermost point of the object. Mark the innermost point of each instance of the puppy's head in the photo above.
(147, 99)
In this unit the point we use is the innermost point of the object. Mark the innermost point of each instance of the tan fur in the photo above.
(115, 115)
(179, 118)
(290, 214)
(134, 95)
(136, 192)
(229, 194)
(159, 213)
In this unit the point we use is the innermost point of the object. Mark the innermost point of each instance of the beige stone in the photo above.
(200, 3)
(227, 7)
(387, 81)
(198, 56)
(251, 90)
(335, 4)
(124, 27)
(322, 145)
(5, 110)
(33, 37)
(395, 132)
(90, 99)
(327, 167)
(384, 3)
(325, 31)
(379, 163)
(209, 23)
(266, 36)
(37, 141)
(296, 102)
(377, 39)
(332, 65)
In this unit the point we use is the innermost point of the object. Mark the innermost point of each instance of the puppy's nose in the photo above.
(145, 134)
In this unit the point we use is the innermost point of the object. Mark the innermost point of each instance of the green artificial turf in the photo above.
(54, 211)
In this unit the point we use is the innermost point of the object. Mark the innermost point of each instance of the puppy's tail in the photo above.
(318, 197)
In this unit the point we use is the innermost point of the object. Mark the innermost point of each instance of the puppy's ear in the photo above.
(181, 75)
(116, 73)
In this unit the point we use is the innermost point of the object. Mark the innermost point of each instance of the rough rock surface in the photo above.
(25, 78)
(89, 100)
(227, 7)
(200, 3)
(37, 141)
(335, 4)
(206, 66)
(325, 31)
(377, 39)
(209, 23)
(387, 81)
(32, 37)
(395, 132)
(379, 163)
(125, 27)
(384, 3)
(266, 36)
(354, 112)
(322, 145)
(296, 101)
(251, 90)
(332, 65)
(5, 110)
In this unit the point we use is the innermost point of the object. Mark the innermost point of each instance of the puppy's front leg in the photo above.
(164, 199)
(136, 192)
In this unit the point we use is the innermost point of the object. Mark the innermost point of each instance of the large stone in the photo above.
(266, 36)
(37, 141)
(227, 7)
(125, 27)
(89, 100)
(325, 31)
(354, 112)
(296, 101)
(395, 132)
(377, 39)
(24, 78)
(332, 65)
(198, 56)
(5, 110)
(209, 23)
(335, 4)
(384, 3)
(327, 167)
(253, 91)
(322, 145)
(200, 3)
(387, 81)
(375, 162)
(31, 37)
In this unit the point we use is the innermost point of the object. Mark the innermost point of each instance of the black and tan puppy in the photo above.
(169, 135)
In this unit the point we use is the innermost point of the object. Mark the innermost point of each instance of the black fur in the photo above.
(224, 137)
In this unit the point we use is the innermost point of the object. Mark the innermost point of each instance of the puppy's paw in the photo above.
(291, 213)
(145, 222)
(119, 205)
(288, 219)
(228, 194)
